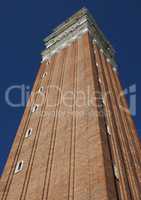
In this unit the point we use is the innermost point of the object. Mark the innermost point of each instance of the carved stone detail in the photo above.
(72, 29)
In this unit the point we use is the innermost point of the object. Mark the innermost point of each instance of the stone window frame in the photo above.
(19, 166)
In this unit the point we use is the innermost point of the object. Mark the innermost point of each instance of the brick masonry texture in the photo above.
(71, 155)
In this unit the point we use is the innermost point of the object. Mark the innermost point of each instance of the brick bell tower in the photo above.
(76, 140)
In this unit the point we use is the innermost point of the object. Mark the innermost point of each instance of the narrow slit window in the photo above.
(103, 100)
(41, 89)
(28, 133)
(108, 130)
(99, 80)
(116, 172)
(35, 108)
(19, 166)
(44, 74)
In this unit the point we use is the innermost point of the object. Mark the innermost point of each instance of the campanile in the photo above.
(76, 139)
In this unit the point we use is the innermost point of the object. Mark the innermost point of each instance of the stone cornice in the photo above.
(72, 29)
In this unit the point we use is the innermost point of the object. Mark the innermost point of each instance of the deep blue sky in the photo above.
(24, 24)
